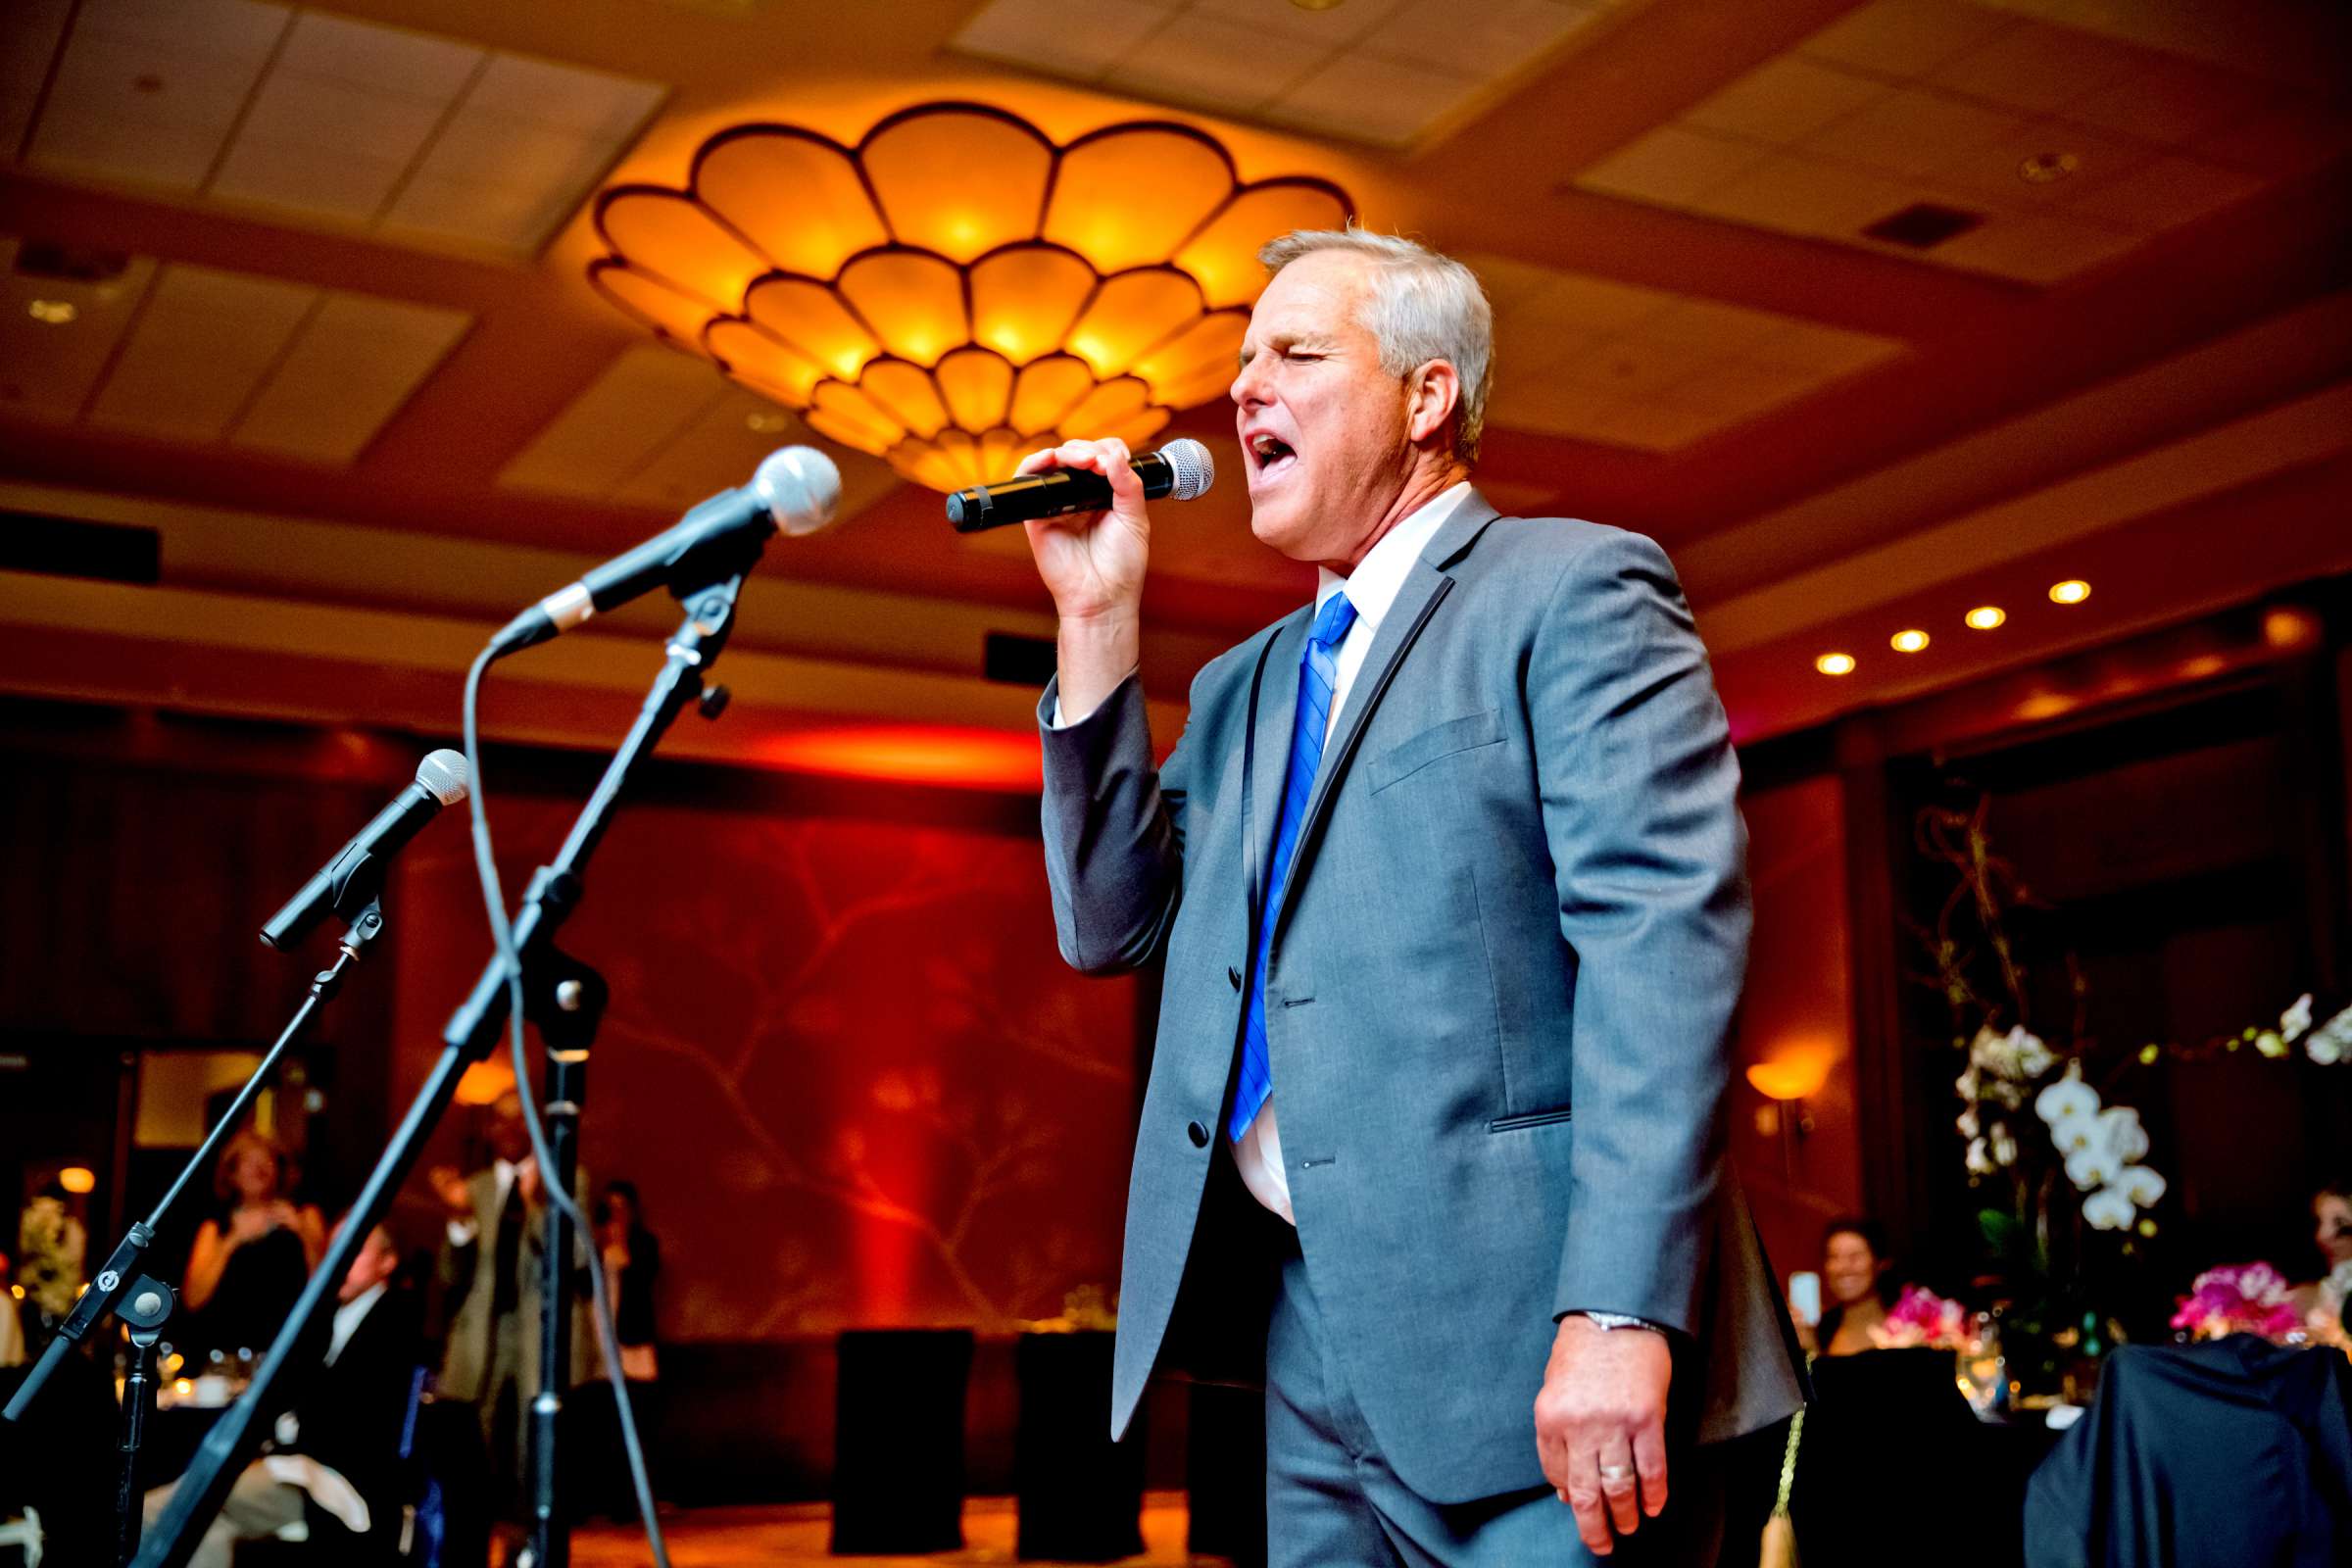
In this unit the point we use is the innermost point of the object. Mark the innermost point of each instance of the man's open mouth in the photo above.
(1268, 455)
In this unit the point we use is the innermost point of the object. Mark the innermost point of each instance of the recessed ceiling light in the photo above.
(1834, 664)
(52, 313)
(1986, 616)
(2047, 168)
(2073, 591)
(1908, 642)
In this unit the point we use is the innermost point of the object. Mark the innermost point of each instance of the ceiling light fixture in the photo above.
(1908, 642)
(2047, 168)
(52, 313)
(957, 290)
(1984, 617)
(1834, 664)
(2073, 591)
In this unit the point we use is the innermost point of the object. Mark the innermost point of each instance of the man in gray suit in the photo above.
(1440, 858)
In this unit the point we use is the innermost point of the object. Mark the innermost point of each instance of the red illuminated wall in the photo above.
(843, 1062)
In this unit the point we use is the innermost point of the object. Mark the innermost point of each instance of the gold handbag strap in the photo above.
(1797, 1431)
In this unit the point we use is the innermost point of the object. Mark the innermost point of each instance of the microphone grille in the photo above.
(1192, 466)
(802, 486)
(443, 773)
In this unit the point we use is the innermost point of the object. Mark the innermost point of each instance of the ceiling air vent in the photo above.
(1923, 226)
(66, 547)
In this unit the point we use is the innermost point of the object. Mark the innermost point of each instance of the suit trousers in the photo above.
(1333, 1502)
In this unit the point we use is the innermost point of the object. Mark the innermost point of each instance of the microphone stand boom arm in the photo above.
(560, 993)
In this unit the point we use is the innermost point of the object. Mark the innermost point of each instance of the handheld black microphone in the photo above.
(795, 490)
(440, 781)
(1179, 470)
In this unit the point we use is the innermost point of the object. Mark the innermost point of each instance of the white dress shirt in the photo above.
(1372, 590)
(503, 1172)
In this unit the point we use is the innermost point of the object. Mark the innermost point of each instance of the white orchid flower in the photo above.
(2296, 1020)
(1966, 1085)
(1967, 1122)
(2270, 1044)
(2072, 1133)
(2031, 1057)
(1989, 1052)
(2144, 1187)
(2108, 1209)
(2068, 1098)
(2000, 1146)
(2092, 1165)
(2126, 1139)
(2007, 1094)
(2331, 1042)
(1980, 1163)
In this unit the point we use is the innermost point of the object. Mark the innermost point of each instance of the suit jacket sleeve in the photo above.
(1114, 832)
(1639, 809)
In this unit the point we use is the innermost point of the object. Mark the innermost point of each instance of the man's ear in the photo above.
(1437, 393)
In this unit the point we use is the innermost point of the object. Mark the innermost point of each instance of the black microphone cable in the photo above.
(502, 934)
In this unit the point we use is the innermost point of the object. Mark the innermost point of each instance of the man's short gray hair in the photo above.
(1421, 306)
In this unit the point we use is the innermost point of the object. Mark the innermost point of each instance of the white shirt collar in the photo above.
(346, 1319)
(1380, 575)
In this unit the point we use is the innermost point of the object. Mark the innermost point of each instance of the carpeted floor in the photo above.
(785, 1537)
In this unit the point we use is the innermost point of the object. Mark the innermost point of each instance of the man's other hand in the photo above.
(1600, 1426)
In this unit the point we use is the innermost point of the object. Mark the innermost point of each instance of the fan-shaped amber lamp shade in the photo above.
(956, 289)
(1795, 1074)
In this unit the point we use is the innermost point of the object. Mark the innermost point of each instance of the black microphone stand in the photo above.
(565, 999)
(361, 905)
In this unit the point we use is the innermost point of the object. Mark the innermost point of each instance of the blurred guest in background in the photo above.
(2331, 1235)
(632, 1265)
(336, 1467)
(1856, 1275)
(251, 1260)
(52, 1246)
(12, 1330)
(490, 1270)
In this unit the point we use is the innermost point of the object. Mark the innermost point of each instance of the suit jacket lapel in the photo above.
(1425, 587)
(1270, 751)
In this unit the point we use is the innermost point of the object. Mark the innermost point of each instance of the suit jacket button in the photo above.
(1197, 1133)
(1233, 977)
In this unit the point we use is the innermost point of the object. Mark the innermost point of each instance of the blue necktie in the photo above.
(1319, 672)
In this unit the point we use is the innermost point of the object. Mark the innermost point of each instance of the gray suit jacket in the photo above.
(1519, 893)
(469, 1357)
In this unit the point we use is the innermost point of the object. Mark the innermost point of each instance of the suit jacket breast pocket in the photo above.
(1441, 740)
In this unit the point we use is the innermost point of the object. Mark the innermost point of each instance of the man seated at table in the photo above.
(338, 1449)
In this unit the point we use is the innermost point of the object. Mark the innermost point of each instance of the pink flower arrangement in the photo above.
(2242, 1298)
(1922, 1318)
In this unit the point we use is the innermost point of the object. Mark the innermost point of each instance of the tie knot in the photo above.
(1333, 620)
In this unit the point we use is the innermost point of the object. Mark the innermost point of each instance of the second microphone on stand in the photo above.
(1179, 471)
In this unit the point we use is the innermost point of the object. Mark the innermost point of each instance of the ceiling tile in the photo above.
(232, 32)
(309, 178)
(1993, 169)
(1377, 100)
(136, 110)
(1215, 63)
(594, 105)
(1828, 351)
(1785, 101)
(2292, 138)
(1740, 389)
(618, 422)
(361, 53)
(201, 346)
(718, 450)
(506, 217)
(1030, 32)
(2036, 247)
(1655, 426)
(1333, 28)
(1484, 41)
(1717, 329)
(1804, 196)
(1905, 37)
(1574, 303)
(1909, 132)
(1673, 166)
(1632, 367)
(28, 45)
(1546, 404)
(2166, 190)
(315, 110)
(48, 370)
(2039, 68)
(357, 360)
(2173, 101)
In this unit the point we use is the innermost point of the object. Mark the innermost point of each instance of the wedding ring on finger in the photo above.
(1615, 1476)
